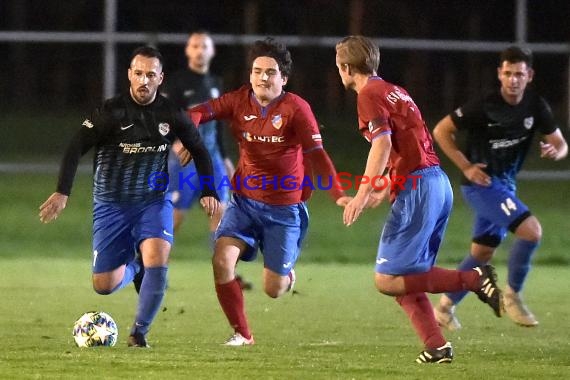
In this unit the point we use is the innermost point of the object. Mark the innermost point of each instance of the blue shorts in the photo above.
(415, 225)
(278, 231)
(119, 229)
(184, 182)
(497, 210)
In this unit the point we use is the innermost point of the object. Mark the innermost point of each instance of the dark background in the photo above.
(47, 88)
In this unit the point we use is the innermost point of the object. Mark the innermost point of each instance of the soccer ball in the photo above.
(95, 328)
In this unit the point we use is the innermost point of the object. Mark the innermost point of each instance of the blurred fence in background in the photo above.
(64, 58)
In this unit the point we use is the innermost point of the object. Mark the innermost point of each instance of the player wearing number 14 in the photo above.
(499, 128)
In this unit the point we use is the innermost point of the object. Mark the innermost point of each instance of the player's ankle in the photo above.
(445, 303)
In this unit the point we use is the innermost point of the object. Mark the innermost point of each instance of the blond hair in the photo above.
(360, 53)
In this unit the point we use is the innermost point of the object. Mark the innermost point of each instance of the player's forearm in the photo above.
(319, 161)
(201, 113)
(444, 135)
(70, 161)
(220, 140)
(66, 177)
(204, 167)
(456, 156)
(376, 163)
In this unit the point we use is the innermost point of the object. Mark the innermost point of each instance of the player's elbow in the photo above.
(444, 130)
(438, 133)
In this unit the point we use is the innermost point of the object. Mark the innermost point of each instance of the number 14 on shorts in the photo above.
(508, 205)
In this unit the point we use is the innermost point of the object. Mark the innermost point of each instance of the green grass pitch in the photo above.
(336, 327)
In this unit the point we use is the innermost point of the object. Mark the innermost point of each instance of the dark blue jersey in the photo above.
(499, 134)
(131, 144)
(187, 89)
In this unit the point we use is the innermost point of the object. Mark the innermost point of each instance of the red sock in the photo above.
(439, 280)
(419, 311)
(230, 297)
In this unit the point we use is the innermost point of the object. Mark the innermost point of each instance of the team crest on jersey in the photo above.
(87, 123)
(163, 128)
(528, 122)
(277, 121)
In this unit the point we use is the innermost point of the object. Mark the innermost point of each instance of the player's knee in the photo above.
(530, 230)
(536, 233)
(384, 284)
(535, 237)
(102, 290)
(382, 288)
(483, 248)
(274, 291)
(103, 286)
(483, 256)
(275, 286)
(221, 263)
(224, 270)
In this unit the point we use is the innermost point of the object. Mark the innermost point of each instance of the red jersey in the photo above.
(384, 108)
(271, 142)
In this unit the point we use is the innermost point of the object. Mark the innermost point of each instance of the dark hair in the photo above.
(149, 52)
(271, 48)
(515, 54)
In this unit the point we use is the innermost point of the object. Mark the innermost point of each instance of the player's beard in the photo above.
(143, 95)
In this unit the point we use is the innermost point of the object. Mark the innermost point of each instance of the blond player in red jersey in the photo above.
(399, 140)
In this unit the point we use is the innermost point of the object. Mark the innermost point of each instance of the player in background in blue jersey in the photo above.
(499, 128)
(131, 135)
(186, 88)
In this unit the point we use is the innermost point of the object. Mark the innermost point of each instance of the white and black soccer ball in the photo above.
(95, 328)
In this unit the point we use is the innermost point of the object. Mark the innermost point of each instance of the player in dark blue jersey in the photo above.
(187, 88)
(499, 128)
(131, 135)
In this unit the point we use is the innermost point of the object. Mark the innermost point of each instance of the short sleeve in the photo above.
(374, 117)
(466, 116)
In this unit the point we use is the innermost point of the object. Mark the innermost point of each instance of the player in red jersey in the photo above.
(279, 144)
(400, 141)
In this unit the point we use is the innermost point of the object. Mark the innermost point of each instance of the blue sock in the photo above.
(469, 262)
(519, 262)
(131, 269)
(150, 297)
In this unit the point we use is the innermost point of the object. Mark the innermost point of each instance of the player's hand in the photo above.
(343, 201)
(52, 207)
(548, 151)
(184, 155)
(475, 174)
(210, 205)
(377, 197)
(354, 208)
